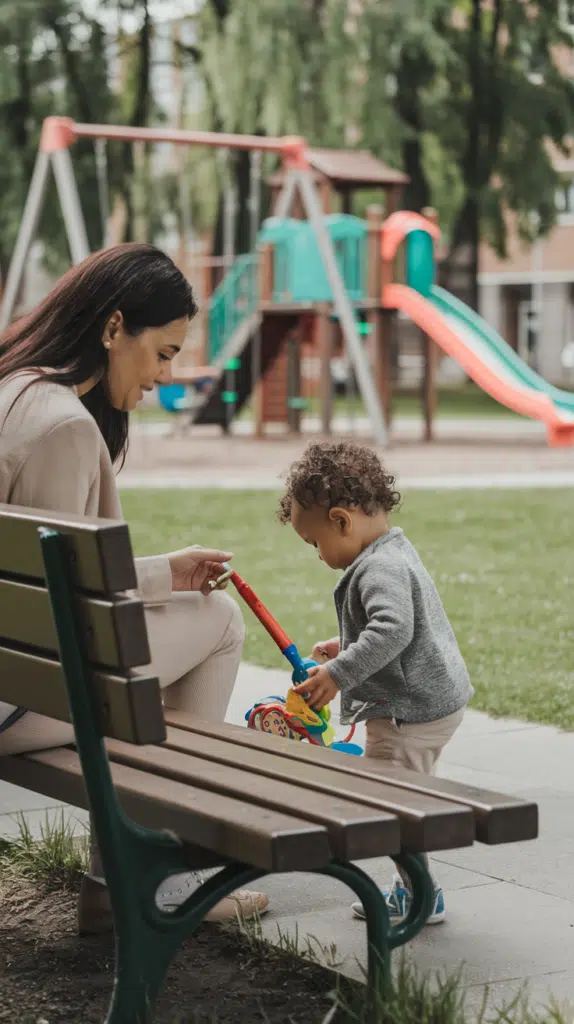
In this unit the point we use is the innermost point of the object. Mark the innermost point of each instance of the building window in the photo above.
(564, 199)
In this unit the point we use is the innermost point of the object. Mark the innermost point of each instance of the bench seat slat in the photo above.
(131, 706)
(427, 823)
(115, 631)
(269, 839)
(498, 818)
(100, 548)
(356, 831)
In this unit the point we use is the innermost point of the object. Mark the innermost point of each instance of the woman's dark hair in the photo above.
(63, 335)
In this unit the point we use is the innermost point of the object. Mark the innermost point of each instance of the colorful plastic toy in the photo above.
(290, 717)
(293, 719)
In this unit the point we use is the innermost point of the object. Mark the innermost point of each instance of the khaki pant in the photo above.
(417, 747)
(196, 644)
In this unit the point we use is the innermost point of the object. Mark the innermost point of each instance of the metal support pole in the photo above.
(343, 307)
(287, 194)
(186, 221)
(254, 196)
(26, 235)
(101, 153)
(71, 206)
(229, 212)
(537, 299)
(254, 218)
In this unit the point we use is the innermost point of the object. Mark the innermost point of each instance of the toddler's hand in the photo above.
(325, 650)
(319, 689)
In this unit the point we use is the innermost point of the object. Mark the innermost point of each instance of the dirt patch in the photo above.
(48, 974)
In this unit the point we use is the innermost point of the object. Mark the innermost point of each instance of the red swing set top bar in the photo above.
(60, 133)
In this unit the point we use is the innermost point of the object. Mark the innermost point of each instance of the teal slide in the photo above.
(509, 360)
(476, 346)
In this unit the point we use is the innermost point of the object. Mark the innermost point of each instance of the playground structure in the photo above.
(59, 135)
(286, 279)
(309, 286)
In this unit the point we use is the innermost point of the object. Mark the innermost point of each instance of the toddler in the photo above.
(396, 662)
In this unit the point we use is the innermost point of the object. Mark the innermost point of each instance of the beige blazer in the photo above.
(53, 457)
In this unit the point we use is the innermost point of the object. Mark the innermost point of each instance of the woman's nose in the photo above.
(165, 375)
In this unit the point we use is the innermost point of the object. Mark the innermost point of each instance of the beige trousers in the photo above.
(196, 644)
(417, 747)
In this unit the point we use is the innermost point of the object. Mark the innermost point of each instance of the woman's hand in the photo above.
(326, 650)
(194, 568)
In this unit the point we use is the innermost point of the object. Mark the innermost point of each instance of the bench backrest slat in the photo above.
(116, 633)
(129, 705)
(100, 548)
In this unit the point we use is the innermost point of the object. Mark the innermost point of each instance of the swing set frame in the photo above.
(57, 138)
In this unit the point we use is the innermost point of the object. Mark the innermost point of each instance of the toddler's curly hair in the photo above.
(338, 473)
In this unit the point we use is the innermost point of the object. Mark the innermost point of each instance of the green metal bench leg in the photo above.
(379, 928)
(382, 936)
(422, 898)
(147, 939)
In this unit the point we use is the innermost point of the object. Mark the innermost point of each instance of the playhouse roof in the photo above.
(350, 167)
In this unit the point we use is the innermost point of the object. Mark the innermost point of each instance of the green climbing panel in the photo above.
(298, 274)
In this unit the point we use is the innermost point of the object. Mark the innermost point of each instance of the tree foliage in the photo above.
(470, 98)
(464, 97)
(52, 60)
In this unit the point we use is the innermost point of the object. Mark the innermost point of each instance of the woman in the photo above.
(70, 372)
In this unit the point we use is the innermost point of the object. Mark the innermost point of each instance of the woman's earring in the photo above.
(108, 344)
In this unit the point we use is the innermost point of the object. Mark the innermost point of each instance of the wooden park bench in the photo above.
(169, 792)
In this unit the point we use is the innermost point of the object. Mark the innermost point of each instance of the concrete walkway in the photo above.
(259, 480)
(479, 453)
(510, 908)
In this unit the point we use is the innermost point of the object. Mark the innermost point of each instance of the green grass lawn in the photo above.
(503, 563)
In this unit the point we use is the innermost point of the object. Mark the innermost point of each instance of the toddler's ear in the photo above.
(342, 519)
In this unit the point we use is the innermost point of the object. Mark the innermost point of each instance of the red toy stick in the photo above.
(283, 641)
(263, 614)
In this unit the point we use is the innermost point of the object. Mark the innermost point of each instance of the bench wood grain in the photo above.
(356, 831)
(498, 818)
(267, 838)
(100, 549)
(115, 631)
(427, 822)
(128, 707)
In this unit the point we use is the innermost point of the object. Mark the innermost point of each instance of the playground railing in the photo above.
(233, 300)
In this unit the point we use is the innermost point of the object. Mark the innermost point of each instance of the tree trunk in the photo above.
(460, 270)
(242, 168)
(417, 193)
(461, 267)
(73, 75)
(139, 117)
(141, 110)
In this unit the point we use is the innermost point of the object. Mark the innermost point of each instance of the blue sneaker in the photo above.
(398, 901)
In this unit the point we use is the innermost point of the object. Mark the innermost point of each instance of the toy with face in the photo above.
(292, 718)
